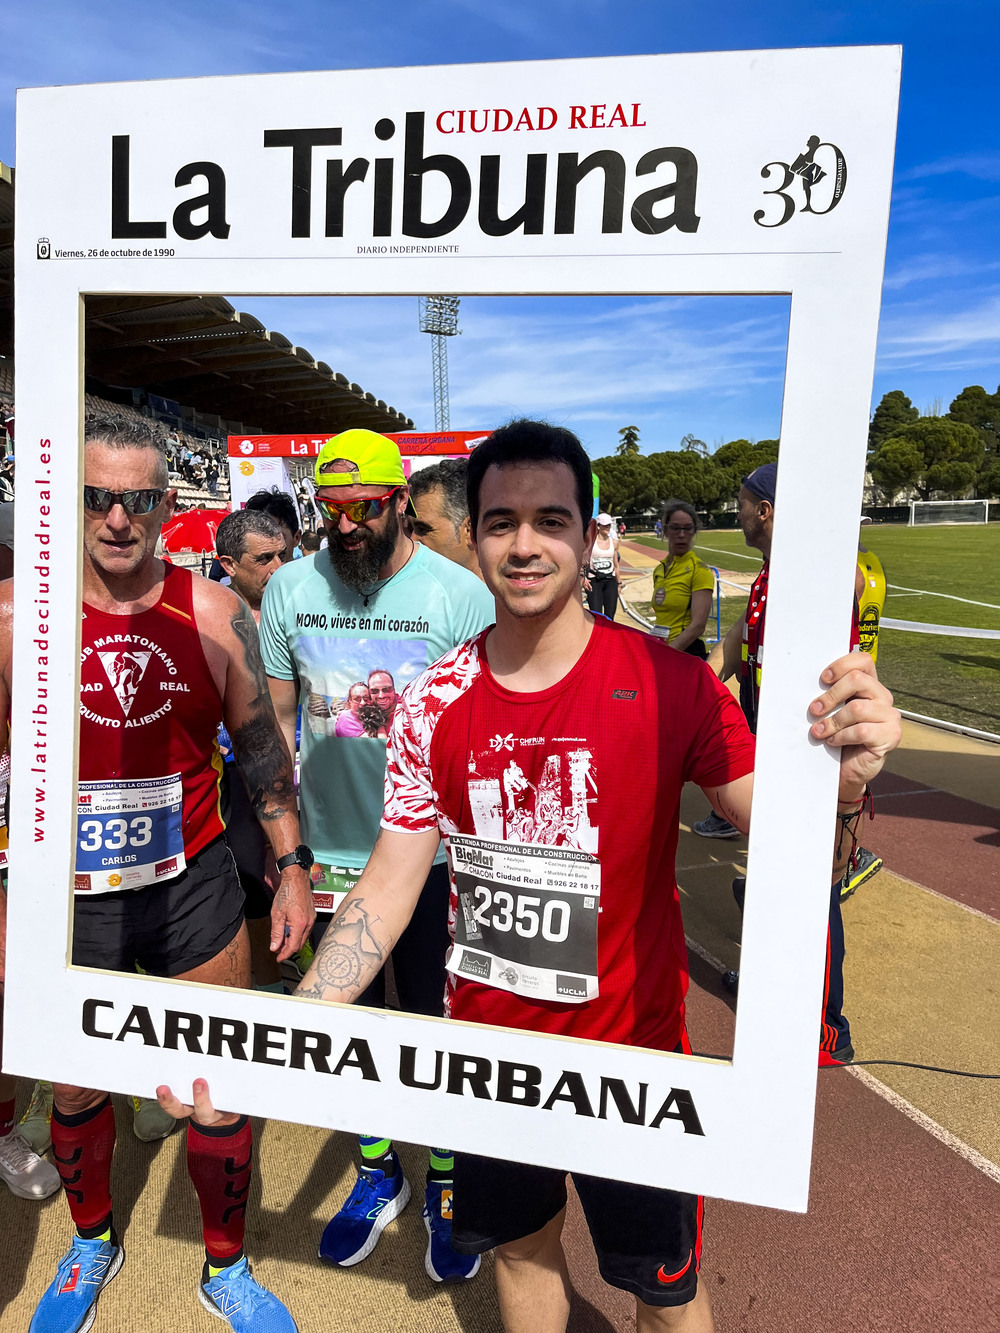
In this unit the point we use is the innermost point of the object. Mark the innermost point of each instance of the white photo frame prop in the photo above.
(739, 172)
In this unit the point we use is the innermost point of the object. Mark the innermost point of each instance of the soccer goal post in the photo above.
(949, 511)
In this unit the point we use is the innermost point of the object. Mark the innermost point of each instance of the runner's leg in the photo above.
(533, 1285)
(695, 1317)
(835, 1030)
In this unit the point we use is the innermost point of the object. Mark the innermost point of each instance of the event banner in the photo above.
(412, 444)
(730, 173)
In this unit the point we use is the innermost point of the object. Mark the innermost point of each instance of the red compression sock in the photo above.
(219, 1163)
(82, 1145)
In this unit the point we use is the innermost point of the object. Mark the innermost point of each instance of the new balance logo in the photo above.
(225, 1302)
(98, 1270)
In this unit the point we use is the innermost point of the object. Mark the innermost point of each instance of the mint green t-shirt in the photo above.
(352, 662)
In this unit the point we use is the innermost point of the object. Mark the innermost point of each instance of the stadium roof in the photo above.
(201, 352)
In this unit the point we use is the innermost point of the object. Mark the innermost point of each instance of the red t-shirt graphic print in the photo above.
(595, 763)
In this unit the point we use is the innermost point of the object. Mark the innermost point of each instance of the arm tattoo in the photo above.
(245, 629)
(351, 953)
(258, 745)
(264, 765)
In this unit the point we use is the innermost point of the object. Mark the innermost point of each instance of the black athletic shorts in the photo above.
(165, 928)
(648, 1241)
(246, 842)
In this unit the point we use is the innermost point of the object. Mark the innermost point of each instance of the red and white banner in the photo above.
(412, 444)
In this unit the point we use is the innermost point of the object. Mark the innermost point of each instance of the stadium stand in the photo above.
(197, 364)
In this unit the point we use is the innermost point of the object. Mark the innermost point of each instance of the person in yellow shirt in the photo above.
(683, 586)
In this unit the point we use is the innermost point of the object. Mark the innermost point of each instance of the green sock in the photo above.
(377, 1153)
(214, 1264)
(440, 1164)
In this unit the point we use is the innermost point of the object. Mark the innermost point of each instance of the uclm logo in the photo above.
(651, 194)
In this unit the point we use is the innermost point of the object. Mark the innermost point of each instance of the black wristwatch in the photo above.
(302, 856)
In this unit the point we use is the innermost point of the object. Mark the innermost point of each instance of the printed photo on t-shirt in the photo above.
(351, 687)
(531, 789)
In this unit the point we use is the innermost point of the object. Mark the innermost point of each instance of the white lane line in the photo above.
(898, 1103)
(705, 956)
(932, 1127)
(924, 791)
(927, 592)
(737, 555)
(710, 865)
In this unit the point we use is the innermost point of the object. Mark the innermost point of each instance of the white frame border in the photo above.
(756, 1111)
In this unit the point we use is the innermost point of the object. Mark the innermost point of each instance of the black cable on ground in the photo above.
(909, 1064)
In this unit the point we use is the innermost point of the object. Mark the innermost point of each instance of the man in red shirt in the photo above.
(509, 746)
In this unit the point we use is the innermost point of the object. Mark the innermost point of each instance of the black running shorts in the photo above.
(246, 842)
(164, 928)
(648, 1241)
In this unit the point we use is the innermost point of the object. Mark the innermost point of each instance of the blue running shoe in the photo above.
(442, 1261)
(376, 1199)
(70, 1303)
(236, 1296)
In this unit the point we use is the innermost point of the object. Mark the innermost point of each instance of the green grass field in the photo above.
(956, 679)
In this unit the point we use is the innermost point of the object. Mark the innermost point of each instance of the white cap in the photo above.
(604, 518)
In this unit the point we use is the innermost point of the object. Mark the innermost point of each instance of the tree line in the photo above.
(633, 482)
(938, 457)
(935, 457)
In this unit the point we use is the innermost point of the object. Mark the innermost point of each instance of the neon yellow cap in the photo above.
(376, 460)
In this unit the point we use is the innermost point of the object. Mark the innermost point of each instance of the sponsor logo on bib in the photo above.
(475, 964)
(573, 986)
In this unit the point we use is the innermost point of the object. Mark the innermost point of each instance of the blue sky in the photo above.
(710, 366)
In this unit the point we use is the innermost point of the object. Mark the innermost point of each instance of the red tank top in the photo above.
(149, 714)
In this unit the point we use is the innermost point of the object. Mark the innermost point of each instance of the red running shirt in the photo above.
(149, 705)
(596, 763)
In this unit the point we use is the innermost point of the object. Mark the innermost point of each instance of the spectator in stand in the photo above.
(212, 476)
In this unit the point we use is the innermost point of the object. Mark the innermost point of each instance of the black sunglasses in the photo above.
(100, 501)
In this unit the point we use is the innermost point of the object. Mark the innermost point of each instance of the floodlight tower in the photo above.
(439, 318)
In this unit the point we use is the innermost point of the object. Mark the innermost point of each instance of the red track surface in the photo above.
(942, 841)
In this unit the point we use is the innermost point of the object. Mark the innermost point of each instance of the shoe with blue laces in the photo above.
(70, 1303)
(376, 1199)
(442, 1261)
(236, 1296)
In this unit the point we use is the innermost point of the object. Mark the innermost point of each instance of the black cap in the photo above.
(761, 481)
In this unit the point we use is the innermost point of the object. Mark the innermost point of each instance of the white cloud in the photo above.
(917, 337)
(983, 166)
(714, 366)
